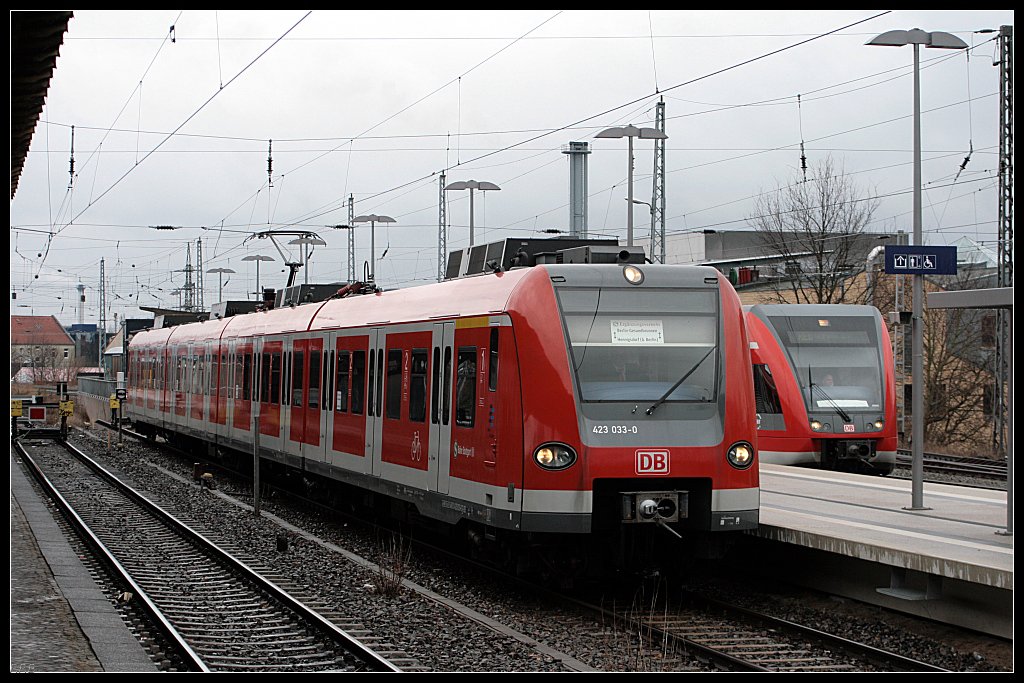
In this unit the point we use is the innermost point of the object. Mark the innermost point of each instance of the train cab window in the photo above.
(492, 362)
(297, 363)
(341, 383)
(275, 378)
(446, 400)
(314, 380)
(418, 386)
(465, 387)
(435, 386)
(358, 381)
(393, 405)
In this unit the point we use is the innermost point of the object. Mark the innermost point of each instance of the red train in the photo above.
(825, 387)
(608, 400)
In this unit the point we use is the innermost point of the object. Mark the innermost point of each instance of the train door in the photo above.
(243, 372)
(166, 380)
(314, 387)
(348, 434)
(179, 359)
(374, 399)
(441, 372)
(220, 411)
(270, 357)
(327, 377)
(297, 395)
(307, 376)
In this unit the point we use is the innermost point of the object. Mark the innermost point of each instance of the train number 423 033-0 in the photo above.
(616, 429)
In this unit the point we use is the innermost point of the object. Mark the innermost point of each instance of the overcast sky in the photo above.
(172, 127)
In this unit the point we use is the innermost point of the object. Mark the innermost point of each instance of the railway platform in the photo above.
(853, 535)
(60, 619)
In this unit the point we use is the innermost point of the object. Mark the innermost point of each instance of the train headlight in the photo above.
(633, 275)
(554, 456)
(741, 455)
(879, 424)
(815, 425)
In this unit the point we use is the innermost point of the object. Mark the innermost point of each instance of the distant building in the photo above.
(86, 337)
(39, 342)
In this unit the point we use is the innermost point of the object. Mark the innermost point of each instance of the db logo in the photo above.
(849, 428)
(652, 462)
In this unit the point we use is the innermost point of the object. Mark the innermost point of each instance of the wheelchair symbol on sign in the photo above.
(417, 449)
(929, 262)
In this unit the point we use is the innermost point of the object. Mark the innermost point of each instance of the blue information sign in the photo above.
(913, 260)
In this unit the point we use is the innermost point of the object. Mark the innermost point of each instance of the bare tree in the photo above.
(957, 375)
(813, 225)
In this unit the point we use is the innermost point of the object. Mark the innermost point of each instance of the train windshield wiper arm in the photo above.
(682, 379)
(842, 413)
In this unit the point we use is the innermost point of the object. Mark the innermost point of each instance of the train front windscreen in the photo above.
(643, 345)
(837, 360)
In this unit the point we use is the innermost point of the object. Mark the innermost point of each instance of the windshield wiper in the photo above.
(681, 380)
(842, 413)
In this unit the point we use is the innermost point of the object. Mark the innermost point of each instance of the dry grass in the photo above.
(391, 567)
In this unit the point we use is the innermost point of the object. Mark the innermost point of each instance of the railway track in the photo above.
(955, 465)
(217, 613)
(695, 637)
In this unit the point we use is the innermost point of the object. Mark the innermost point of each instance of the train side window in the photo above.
(358, 381)
(247, 377)
(418, 386)
(313, 397)
(286, 378)
(446, 405)
(327, 397)
(465, 387)
(341, 383)
(297, 363)
(265, 379)
(372, 384)
(766, 394)
(211, 376)
(435, 386)
(275, 378)
(393, 405)
(380, 382)
(223, 375)
(492, 362)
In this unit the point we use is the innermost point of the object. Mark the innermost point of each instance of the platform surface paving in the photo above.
(866, 517)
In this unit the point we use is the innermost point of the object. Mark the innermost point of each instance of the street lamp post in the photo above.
(220, 280)
(936, 39)
(257, 258)
(631, 132)
(306, 241)
(373, 219)
(649, 206)
(471, 185)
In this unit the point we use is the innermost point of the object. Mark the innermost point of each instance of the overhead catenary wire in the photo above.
(407, 185)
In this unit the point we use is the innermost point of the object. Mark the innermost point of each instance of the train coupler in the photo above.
(654, 507)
